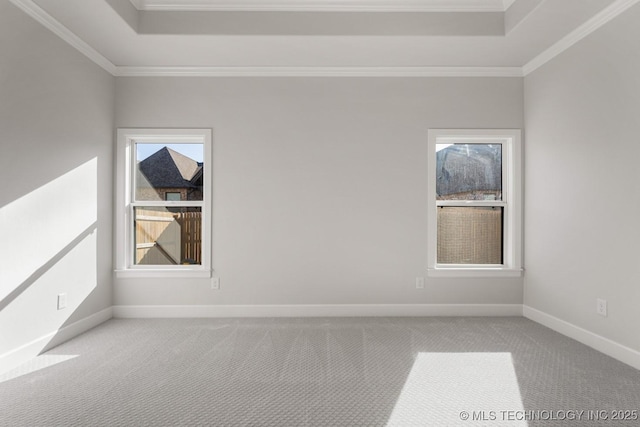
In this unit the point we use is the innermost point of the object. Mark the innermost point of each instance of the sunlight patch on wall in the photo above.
(459, 389)
(48, 254)
(38, 226)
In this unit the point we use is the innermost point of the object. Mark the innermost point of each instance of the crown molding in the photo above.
(506, 4)
(49, 22)
(138, 4)
(41, 16)
(324, 5)
(319, 72)
(606, 15)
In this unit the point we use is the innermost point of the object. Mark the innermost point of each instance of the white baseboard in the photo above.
(604, 345)
(25, 352)
(312, 310)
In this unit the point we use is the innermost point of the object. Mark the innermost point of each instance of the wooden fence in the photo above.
(191, 236)
(470, 235)
(163, 237)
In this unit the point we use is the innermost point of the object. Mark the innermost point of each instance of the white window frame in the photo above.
(125, 172)
(511, 141)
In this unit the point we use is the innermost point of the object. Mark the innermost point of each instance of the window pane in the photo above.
(169, 168)
(469, 171)
(470, 235)
(168, 236)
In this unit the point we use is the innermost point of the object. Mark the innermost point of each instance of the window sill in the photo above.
(474, 272)
(159, 273)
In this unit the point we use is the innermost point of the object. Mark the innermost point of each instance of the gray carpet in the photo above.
(320, 372)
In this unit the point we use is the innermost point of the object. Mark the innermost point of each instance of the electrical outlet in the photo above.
(62, 301)
(215, 283)
(419, 282)
(601, 307)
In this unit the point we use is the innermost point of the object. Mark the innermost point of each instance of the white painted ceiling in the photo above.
(322, 37)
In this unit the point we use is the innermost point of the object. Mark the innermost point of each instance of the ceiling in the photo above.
(322, 37)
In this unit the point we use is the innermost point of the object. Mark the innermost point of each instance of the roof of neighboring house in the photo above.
(464, 168)
(167, 168)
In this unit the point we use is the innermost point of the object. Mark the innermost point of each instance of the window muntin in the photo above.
(474, 202)
(164, 184)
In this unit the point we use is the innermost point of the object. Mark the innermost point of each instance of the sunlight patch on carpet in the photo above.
(459, 389)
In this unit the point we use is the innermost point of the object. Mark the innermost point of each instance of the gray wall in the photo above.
(582, 188)
(320, 184)
(56, 140)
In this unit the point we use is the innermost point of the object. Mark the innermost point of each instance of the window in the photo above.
(475, 198)
(163, 213)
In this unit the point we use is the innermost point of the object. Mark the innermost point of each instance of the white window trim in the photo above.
(126, 139)
(511, 140)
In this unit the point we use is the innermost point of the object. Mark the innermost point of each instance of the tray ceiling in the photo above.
(322, 37)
